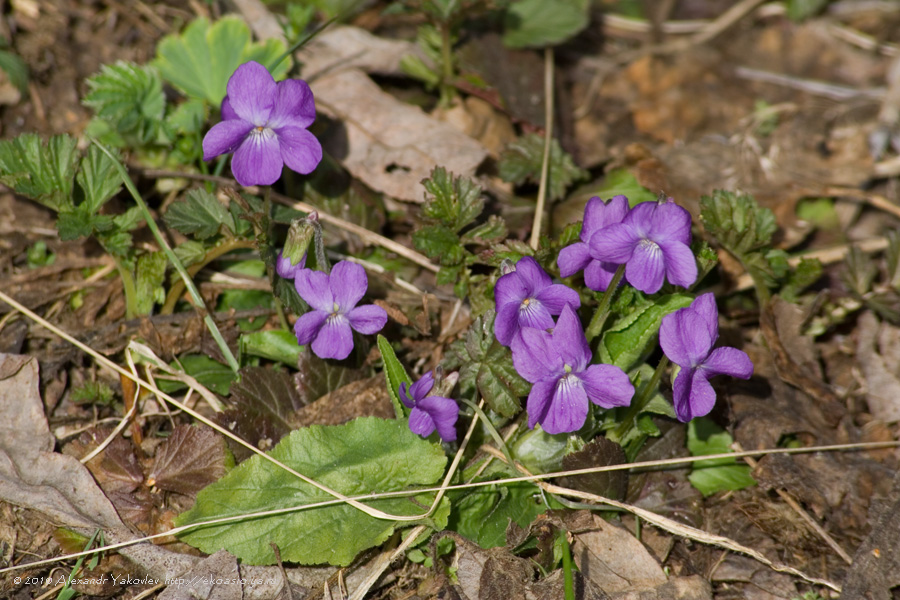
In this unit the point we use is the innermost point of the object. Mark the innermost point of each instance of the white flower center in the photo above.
(650, 246)
(529, 306)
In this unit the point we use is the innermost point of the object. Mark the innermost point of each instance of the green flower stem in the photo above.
(640, 403)
(212, 254)
(498, 439)
(597, 321)
(185, 277)
(568, 579)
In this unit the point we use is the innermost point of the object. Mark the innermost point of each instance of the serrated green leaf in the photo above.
(43, 172)
(200, 60)
(149, 277)
(81, 222)
(737, 222)
(273, 344)
(394, 374)
(492, 230)
(716, 475)
(438, 241)
(98, 178)
(539, 23)
(364, 456)
(199, 214)
(633, 336)
(129, 97)
(806, 273)
(486, 365)
(522, 161)
(454, 201)
(190, 252)
(623, 182)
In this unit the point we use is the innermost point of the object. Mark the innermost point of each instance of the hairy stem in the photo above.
(599, 319)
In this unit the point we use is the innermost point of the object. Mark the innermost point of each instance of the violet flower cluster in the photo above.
(265, 125)
(555, 363)
(687, 337)
(652, 240)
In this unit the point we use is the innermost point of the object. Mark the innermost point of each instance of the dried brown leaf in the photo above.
(191, 459)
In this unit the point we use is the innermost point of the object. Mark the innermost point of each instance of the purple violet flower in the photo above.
(527, 297)
(652, 241)
(264, 123)
(687, 337)
(577, 256)
(285, 268)
(333, 299)
(429, 412)
(557, 366)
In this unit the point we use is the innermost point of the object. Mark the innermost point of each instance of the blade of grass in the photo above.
(182, 272)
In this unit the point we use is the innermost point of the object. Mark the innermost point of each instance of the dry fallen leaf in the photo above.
(878, 349)
(614, 560)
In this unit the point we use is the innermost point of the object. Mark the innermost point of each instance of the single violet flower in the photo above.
(527, 297)
(652, 241)
(429, 412)
(557, 366)
(687, 337)
(577, 256)
(265, 124)
(285, 268)
(334, 312)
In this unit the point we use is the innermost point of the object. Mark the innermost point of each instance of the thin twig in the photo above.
(548, 139)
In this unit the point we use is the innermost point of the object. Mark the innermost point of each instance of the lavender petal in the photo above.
(510, 289)
(539, 400)
(607, 386)
(533, 276)
(308, 325)
(728, 361)
(348, 284)
(693, 395)
(421, 423)
(420, 389)
(557, 296)
(225, 137)
(573, 258)
(258, 159)
(569, 342)
(534, 357)
(681, 266)
(294, 105)
(684, 337)
(368, 319)
(444, 412)
(646, 269)
(568, 408)
(599, 214)
(598, 275)
(335, 339)
(315, 290)
(615, 243)
(300, 149)
(506, 323)
(251, 92)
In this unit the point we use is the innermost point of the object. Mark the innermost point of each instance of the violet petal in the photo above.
(728, 361)
(607, 386)
(614, 243)
(313, 287)
(671, 222)
(646, 269)
(506, 323)
(510, 289)
(368, 319)
(420, 389)
(335, 339)
(251, 92)
(681, 266)
(285, 268)
(308, 325)
(348, 284)
(684, 337)
(533, 276)
(557, 296)
(293, 106)
(539, 400)
(444, 412)
(599, 214)
(258, 159)
(569, 342)
(407, 399)
(693, 395)
(300, 149)
(420, 422)
(534, 358)
(225, 137)
(598, 275)
(573, 258)
(568, 409)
